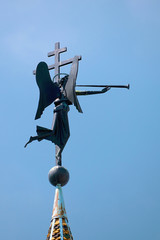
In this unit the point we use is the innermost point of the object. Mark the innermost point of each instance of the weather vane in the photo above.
(62, 91)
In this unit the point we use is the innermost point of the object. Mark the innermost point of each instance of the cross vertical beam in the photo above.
(56, 53)
(57, 60)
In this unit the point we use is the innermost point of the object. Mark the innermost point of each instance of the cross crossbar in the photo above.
(61, 50)
(63, 63)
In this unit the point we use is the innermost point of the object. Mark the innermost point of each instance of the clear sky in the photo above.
(114, 150)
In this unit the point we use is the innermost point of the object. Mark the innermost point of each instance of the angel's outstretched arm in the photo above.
(80, 93)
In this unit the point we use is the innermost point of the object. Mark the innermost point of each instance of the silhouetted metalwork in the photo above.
(62, 92)
(105, 86)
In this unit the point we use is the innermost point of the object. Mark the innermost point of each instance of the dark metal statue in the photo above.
(62, 92)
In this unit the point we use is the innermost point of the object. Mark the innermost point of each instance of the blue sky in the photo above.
(114, 149)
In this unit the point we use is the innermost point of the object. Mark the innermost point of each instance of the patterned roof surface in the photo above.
(59, 228)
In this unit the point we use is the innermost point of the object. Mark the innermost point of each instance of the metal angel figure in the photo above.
(63, 94)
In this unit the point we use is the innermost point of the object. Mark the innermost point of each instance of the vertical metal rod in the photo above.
(61, 228)
(58, 157)
(57, 60)
(52, 229)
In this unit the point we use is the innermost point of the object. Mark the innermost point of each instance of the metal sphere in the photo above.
(58, 175)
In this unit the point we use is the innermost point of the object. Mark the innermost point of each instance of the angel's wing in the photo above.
(71, 84)
(49, 91)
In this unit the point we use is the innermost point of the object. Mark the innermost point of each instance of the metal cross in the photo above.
(58, 63)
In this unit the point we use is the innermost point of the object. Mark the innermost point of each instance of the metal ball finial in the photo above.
(58, 175)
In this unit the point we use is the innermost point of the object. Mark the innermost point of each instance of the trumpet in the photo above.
(106, 86)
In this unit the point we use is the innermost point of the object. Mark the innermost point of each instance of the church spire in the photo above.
(59, 228)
